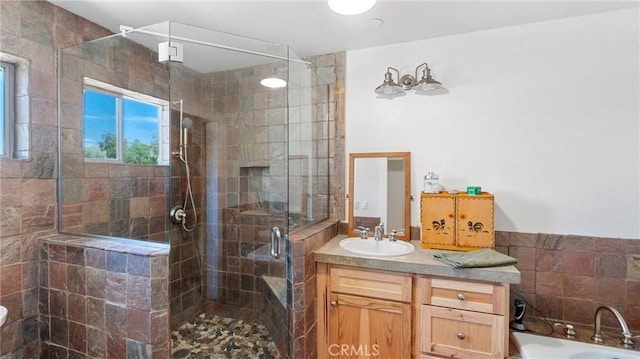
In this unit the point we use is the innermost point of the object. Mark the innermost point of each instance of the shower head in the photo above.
(187, 123)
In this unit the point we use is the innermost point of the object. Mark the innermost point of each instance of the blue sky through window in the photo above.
(140, 121)
(99, 118)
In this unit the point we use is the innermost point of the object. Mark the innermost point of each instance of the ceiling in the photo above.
(311, 28)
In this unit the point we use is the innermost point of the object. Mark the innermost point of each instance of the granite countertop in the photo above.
(420, 261)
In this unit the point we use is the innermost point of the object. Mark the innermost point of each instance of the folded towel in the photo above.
(475, 259)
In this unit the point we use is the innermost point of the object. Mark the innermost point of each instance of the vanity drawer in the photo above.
(476, 296)
(370, 283)
(461, 334)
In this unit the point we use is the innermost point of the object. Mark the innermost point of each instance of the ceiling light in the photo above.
(427, 85)
(351, 7)
(273, 82)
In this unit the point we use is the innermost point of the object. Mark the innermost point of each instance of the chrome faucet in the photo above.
(627, 337)
(378, 232)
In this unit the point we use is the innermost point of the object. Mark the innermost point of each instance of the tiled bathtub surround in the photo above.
(567, 277)
(103, 298)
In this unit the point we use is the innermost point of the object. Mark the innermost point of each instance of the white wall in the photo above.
(545, 116)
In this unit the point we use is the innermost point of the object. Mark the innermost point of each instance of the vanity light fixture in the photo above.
(427, 85)
(350, 7)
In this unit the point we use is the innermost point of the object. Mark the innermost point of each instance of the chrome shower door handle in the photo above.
(274, 240)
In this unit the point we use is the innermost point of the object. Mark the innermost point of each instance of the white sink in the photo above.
(540, 347)
(371, 247)
(3, 315)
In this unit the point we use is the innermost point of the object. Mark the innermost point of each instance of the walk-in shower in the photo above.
(232, 167)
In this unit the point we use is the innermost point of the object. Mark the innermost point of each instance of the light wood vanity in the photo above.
(409, 306)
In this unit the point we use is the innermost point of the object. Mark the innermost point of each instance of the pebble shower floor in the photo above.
(213, 337)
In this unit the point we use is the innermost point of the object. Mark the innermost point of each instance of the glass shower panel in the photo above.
(308, 106)
(103, 189)
(237, 150)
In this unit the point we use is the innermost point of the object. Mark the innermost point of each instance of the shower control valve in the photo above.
(177, 214)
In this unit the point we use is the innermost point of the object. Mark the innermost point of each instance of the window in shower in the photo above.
(7, 103)
(123, 126)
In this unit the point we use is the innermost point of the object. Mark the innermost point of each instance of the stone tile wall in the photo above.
(301, 287)
(102, 298)
(31, 30)
(567, 277)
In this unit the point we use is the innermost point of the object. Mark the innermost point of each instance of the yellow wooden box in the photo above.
(457, 221)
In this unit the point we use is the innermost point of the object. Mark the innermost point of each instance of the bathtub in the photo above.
(540, 347)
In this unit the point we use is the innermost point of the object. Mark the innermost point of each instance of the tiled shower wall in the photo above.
(250, 144)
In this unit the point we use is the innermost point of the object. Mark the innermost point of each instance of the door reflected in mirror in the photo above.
(380, 189)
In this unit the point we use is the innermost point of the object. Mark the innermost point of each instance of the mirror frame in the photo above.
(407, 189)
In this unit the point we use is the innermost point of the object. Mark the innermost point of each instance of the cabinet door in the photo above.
(461, 334)
(368, 328)
(438, 220)
(475, 221)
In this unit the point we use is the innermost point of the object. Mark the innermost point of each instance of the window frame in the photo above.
(120, 94)
(9, 115)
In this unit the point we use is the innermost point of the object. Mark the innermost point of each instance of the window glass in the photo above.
(100, 125)
(141, 129)
(123, 125)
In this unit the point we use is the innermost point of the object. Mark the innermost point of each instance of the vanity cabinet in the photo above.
(363, 313)
(457, 222)
(461, 319)
(366, 313)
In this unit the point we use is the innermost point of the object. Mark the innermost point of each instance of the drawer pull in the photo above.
(334, 303)
(461, 296)
(461, 335)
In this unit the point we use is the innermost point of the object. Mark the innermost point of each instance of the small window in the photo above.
(7, 106)
(120, 125)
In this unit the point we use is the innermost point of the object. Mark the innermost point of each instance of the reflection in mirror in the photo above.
(380, 189)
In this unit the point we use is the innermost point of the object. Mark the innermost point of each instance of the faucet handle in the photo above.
(394, 233)
(627, 340)
(568, 330)
(364, 232)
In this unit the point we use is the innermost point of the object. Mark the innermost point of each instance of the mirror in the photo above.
(380, 190)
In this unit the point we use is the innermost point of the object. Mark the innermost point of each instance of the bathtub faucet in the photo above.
(627, 337)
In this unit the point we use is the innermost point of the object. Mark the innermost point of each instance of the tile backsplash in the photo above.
(566, 277)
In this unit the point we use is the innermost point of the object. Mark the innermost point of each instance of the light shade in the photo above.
(427, 83)
(351, 7)
(273, 82)
(389, 88)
